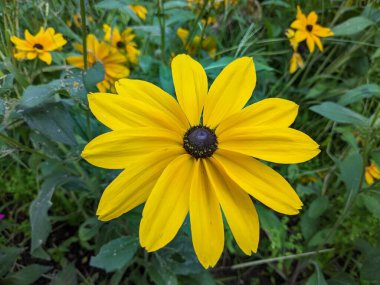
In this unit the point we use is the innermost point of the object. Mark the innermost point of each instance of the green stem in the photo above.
(84, 32)
(161, 19)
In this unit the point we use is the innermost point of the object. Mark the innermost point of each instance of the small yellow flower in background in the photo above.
(196, 155)
(208, 44)
(307, 29)
(112, 60)
(372, 173)
(123, 42)
(296, 62)
(77, 20)
(139, 10)
(39, 45)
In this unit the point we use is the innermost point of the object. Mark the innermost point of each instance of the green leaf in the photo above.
(339, 114)
(27, 275)
(166, 81)
(372, 203)
(52, 120)
(359, 93)
(67, 276)
(370, 268)
(351, 169)
(116, 254)
(342, 279)
(6, 83)
(320, 238)
(271, 224)
(318, 207)
(38, 211)
(317, 278)
(8, 256)
(38, 95)
(161, 276)
(352, 26)
(93, 76)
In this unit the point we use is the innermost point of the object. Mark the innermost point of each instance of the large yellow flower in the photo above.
(123, 42)
(372, 173)
(112, 60)
(307, 29)
(196, 155)
(39, 45)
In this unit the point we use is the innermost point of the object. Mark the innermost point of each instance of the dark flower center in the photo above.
(38, 46)
(120, 44)
(200, 142)
(301, 49)
(309, 28)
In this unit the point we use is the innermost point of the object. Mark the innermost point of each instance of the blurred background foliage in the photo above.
(48, 195)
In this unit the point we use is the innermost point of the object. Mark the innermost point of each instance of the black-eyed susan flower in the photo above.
(307, 29)
(112, 60)
(371, 173)
(41, 45)
(123, 41)
(208, 43)
(140, 10)
(198, 154)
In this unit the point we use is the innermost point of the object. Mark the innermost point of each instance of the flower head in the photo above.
(39, 45)
(196, 155)
(122, 41)
(112, 60)
(296, 62)
(307, 29)
(139, 10)
(372, 173)
(208, 44)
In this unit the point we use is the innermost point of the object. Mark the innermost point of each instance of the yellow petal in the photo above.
(310, 43)
(31, 55)
(368, 177)
(46, 57)
(76, 60)
(168, 204)
(237, 207)
(300, 36)
(312, 18)
(206, 221)
(374, 171)
(297, 24)
(271, 112)
(318, 42)
(120, 112)
(116, 70)
(21, 45)
(190, 82)
(280, 145)
(154, 97)
(116, 149)
(260, 181)
(230, 91)
(133, 186)
(322, 32)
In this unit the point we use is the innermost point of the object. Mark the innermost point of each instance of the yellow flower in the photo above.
(371, 173)
(139, 10)
(110, 57)
(307, 29)
(195, 155)
(290, 34)
(123, 42)
(296, 62)
(208, 43)
(39, 45)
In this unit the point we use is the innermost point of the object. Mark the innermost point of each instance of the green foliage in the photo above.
(49, 195)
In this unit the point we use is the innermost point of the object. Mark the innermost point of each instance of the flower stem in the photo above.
(84, 32)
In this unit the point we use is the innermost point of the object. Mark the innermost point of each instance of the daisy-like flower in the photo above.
(208, 44)
(195, 155)
(296, 62)
(307, 29)
(40, 45)
(139, 10)
(112, 60)
(122, 41)
(372, 173)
